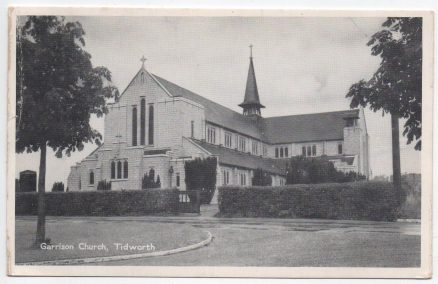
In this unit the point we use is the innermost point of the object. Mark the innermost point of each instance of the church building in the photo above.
(156, 124)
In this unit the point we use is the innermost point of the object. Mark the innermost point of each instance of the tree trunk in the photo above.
(396, 171)
(41, 223)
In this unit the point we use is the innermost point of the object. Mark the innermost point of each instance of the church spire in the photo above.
(251, 104)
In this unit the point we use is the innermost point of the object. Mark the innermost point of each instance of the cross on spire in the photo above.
(250, 50)
(142, 59)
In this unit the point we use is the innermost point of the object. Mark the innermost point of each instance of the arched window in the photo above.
(151, 125)
(113, 170)
(134, 126)
(125, 169)
(119, 169)
(142, 121)
(91, 177)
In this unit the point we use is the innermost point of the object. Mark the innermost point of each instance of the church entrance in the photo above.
(189, 201)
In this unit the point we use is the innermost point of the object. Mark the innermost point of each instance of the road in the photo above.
(286, 242)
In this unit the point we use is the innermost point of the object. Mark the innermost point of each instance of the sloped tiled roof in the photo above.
(244, 160)
(273, 130)
(306, 127)
(216, 113)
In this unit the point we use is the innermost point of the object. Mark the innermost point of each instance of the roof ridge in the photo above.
(312, 113)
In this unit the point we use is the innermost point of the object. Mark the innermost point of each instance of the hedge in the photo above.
(350, 201)
(100, 203)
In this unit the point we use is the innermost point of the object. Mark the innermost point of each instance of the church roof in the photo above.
(251, 91)
(307, 127)
(232, 157)
(274, 130)
(216, 113)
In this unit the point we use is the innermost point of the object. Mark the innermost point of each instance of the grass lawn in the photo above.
(73, 232)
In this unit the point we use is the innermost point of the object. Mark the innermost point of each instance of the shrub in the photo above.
(261, 178)
(100, 203)
(302, 170)
(200, 174)
(357, 201)
(58, 187)
(149, 181)
(104, 185)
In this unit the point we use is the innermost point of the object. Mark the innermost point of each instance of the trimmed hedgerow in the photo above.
(100, 203)
(352, 201)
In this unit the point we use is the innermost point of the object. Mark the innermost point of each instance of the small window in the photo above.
(242, 144)
(339, 148)
(125, 169)
(255, 148)
(211, 135)
(303, 151)
(177, 180)
(313, 150)
(286, 152)
(228, 140)
(91, 177)
(276, 152)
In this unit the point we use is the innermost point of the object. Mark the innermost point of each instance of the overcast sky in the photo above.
(302, 65)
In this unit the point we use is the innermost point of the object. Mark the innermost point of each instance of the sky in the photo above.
(302, 65)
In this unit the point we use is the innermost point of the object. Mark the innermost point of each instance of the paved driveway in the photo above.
(284, 242)
(292, 242)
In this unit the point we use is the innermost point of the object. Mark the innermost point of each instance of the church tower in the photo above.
(251, 104)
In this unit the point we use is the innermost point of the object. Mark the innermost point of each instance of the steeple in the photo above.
(251, 104)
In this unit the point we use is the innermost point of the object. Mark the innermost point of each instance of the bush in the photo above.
(356, 201)
(200, 174)
(100, 203)
(104, 185)
(58, 187)
(261, 178)
(148, 180)
(302, 170)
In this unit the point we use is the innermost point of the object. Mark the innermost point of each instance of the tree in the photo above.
(261, 178)
(58, 187)
(200, 174)
(57, 90)
(395, 87)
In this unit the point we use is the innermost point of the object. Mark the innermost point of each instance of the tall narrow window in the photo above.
(286, 152)
(113, 170)
(313, 150)
(91, 177)
(211, 135)
(303, 151)
(134, 126)
(192, 129)
(151, 125)
(309, 151)
(339, 148)
(125, 169)
(228, 139)
(178, 180)
(281, 152)
(276, 152)
(142, 121)
(119, 169)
